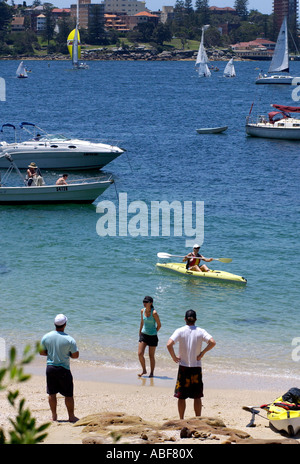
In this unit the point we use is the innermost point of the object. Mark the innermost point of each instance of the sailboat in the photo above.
(74, 45)
(280, 60)
(21, 71)
(202, 60)
(229, 70)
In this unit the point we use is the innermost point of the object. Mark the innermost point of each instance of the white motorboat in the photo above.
(212, 130)
(277, 125)
(57, 151)
(280, 61)
(85, 191)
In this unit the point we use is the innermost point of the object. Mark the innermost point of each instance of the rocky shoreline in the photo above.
(137, 54)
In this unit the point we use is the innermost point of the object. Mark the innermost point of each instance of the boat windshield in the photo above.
(60, 137)
(51, 138)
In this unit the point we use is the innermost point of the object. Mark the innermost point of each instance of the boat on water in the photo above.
(74, 45)
(56, 151)
(279, 62)
(21, 71)
(212, 130)
(85, 191)
(229, 70)
(278, 124)
(212, 275)
(202, 60)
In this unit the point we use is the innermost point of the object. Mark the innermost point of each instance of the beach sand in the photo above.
(146, 404)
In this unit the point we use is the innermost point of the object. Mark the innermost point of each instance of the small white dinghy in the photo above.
(84, 191)
(212, 130)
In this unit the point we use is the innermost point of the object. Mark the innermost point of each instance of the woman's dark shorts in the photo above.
(189, 383)
(150, 340)
(59, 380)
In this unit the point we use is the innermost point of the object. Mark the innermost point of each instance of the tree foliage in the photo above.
(24, 429)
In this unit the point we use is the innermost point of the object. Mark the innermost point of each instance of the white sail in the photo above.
(75, 48)
(229, 70)
(202, 58)
(21, 71)
(280, 60)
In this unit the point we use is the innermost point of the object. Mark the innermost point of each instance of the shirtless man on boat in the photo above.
(193, 260)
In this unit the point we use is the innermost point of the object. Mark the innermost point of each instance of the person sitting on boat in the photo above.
(33, 175)
(193, 260)
(62, 180)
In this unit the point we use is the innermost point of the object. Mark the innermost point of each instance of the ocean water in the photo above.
(52, 259)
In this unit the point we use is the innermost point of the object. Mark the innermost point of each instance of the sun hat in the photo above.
(32, 165)
(60, 320)
(196, 245)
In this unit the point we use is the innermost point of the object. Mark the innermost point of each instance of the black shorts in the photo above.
(150, 340)
(59, 380)
(189, 383)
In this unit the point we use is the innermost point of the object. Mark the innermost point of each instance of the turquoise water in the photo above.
(52, 259)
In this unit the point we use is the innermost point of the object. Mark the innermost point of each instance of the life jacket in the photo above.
(194, 261)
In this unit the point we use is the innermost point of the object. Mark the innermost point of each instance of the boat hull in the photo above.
(283, 80)
(272, 132)
(212, 275)
(284, 420)
(53, 156)
(50, 194)
(212, 130)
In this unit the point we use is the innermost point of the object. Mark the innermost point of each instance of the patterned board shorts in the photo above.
(189, 383)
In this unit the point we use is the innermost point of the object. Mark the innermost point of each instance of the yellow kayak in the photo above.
(213, 274)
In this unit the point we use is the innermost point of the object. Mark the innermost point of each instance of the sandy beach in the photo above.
(143, 410)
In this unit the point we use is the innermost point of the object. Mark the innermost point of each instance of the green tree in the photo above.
(241, 7)
(24, 429)
(202, 10)
(48, 33)
(6, 13)
(162, 33)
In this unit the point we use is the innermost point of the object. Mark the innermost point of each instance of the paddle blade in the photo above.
(225, 260)
(163, 255)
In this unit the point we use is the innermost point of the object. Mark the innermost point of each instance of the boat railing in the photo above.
(90, 179)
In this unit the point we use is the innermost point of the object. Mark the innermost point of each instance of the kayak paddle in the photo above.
(167, 255)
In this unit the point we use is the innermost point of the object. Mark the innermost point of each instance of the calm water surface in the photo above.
(52, 259)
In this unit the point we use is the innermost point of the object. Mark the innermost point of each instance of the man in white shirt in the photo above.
(189, 380)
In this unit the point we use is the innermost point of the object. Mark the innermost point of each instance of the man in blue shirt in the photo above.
(59, 347)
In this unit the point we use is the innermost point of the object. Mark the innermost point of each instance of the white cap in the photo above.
(196, 245)
(60, 319)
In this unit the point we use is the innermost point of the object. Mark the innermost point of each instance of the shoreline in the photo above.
(112, 391)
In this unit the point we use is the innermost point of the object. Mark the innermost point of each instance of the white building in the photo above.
(130, 7)
(40, 23)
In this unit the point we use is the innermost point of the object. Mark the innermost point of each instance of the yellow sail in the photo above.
(70, 41)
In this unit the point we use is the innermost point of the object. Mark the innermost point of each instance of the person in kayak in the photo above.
(193, 260)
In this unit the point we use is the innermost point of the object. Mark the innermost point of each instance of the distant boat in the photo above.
(212, 130)
(229, 70)
(280, 60)
(74, 46)
(278, 125)
(21, 71)
(202, 59)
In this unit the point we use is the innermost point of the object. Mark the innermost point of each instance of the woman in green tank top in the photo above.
(150, 325)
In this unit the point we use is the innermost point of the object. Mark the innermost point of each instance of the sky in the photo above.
(263, 6)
